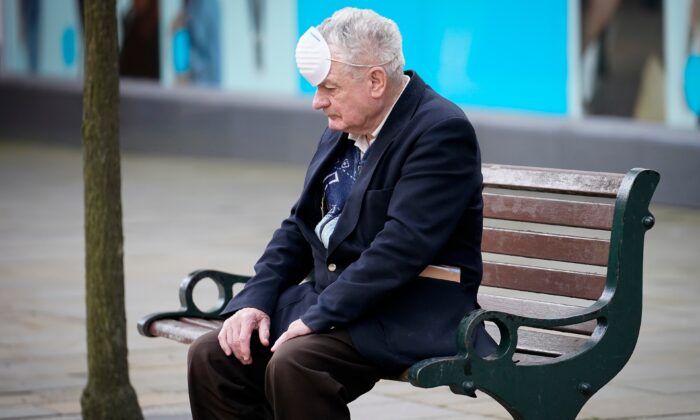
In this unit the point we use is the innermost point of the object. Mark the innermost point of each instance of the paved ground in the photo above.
(182, 213)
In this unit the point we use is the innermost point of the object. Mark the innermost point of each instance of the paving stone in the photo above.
(398, 409)
(671, 385)
(171, 409)
(440, 396)
(484, 406)
(157, 399)
(15, 399)
(71, 407)
(24, 410)
(372, 398)
(636, 407)
(168, 417)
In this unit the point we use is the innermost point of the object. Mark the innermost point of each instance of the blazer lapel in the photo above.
(400, 115)
(310, 196)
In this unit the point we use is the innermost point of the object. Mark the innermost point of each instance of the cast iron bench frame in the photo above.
(552, 357)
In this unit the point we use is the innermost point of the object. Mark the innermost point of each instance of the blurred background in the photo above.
(551, 83)
(216, 131)
(567, 58)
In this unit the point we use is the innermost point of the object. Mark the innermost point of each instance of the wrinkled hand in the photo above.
(296, 329)
(234, 336)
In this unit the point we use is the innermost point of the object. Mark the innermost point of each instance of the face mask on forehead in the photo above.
(314, 57)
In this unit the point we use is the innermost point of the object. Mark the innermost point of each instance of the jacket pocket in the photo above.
(374, 213)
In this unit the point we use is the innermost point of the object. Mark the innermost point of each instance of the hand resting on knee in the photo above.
(236, 331)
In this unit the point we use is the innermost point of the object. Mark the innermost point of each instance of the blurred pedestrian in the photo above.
(140, 52)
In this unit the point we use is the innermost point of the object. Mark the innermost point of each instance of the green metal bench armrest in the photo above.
(188, 308)
(509, 324)
(441, 371)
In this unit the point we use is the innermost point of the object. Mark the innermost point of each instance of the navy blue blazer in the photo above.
(417, 201)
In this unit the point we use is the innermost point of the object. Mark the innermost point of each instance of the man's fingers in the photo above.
(284, 337)
(223, 343)
(242, 349)
(296, 329)
(234, 337)
(264, 331)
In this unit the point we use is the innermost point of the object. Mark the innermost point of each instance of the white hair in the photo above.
(361, 36)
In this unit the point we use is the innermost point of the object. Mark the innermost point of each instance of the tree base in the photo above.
(112, 403)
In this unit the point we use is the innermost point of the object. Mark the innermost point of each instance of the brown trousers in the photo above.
(309, 377)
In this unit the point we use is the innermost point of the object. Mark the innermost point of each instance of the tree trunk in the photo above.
(108, 394)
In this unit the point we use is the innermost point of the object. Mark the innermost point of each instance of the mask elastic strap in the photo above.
(360, 65)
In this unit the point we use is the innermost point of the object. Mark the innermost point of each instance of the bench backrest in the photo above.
(546, 237)
(588, 204)
(580, 207)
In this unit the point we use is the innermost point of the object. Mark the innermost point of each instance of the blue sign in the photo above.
(508, 54)
(181, 51)
(692, 83)
(68, 46)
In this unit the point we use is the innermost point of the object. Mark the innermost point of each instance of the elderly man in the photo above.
(395, 185)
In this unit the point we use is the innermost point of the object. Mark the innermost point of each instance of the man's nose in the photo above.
(320, 101)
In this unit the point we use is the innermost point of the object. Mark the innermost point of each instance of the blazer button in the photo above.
(331, 267)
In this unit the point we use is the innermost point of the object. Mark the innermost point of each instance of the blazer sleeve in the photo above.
(287, 260)
(288, 257)
(439, 179)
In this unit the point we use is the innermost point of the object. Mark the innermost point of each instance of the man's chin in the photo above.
(336, 124)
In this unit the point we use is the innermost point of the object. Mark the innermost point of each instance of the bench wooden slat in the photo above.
(516, 306)
(538, 343)
(562, 181)
(541, 343)
(548, 211)
(441, 272)
(536, 309)
(177, 329)
(546, 246)
(204, 323)
(543, 280)
(530, 279)
(526, 359)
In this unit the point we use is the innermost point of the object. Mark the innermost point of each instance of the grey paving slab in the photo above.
(183, 213)
(649, 406)
(24, 410)
(390, 408)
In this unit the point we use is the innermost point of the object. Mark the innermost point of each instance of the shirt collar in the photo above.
(363, 142)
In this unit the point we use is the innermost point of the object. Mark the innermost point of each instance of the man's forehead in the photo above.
(334, 76)
(331, 78)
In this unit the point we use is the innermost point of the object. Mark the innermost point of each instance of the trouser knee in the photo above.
(285, 363)
(221, 387)
(203, 352)
(292, 366)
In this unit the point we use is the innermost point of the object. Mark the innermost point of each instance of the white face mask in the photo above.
(313, 56)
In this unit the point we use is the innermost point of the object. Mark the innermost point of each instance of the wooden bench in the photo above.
(561, 292)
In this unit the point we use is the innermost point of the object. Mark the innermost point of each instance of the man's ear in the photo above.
(378, 81)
